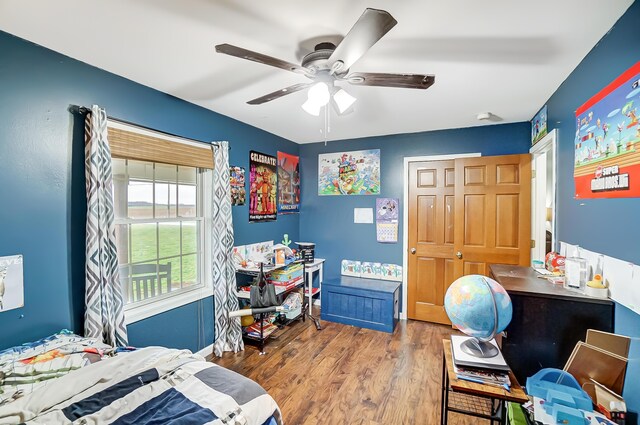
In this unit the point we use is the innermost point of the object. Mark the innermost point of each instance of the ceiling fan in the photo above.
(329, 63)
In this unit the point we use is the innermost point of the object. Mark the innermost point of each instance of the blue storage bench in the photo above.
(367, 303)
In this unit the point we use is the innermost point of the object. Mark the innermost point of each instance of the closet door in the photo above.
(464, 214)
(431, 238)
(493, 213)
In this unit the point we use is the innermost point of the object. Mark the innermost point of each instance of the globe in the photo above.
(481, 308)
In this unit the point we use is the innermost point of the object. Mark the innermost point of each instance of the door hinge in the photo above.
(533, 174)
(533, 243)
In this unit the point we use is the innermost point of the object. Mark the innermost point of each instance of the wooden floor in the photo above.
(348, 375)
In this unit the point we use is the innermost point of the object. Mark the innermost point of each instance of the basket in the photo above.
(307, 250)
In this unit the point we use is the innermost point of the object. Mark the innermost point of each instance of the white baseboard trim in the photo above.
(206, 351)
(403, 316)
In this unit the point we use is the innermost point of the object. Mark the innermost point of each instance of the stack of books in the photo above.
(288, 277)
(488, 371)
(254, 330)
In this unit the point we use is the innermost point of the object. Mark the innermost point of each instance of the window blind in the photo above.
(132, 142)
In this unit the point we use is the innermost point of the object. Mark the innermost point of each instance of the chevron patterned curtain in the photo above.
(228, 332)
(104, 304)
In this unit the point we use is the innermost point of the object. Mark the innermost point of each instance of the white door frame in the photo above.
(538, 216)
(405, 215)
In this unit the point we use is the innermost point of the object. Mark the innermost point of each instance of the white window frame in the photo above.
(139, 311)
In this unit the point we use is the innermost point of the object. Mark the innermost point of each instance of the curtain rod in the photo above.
(85, 110)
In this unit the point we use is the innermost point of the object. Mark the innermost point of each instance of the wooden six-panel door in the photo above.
(493, 215)
(464, 214)
(431, 238)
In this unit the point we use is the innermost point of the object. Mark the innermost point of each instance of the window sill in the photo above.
(134, 314)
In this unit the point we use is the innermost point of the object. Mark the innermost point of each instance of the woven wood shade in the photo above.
(145, 145)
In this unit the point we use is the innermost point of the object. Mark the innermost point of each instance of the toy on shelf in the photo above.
(555, 262)
(597, 287)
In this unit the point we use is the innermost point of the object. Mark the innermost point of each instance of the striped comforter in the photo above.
(150, 386)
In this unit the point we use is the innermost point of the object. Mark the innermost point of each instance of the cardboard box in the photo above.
(602, 359)
(607, 402)
(599, 365)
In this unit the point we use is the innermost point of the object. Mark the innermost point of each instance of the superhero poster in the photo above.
(607, 142)
(349, 173)
(288, 183)
(263, 185)
(238, 193)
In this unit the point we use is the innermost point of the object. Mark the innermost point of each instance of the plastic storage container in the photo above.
(576, 273)
(307, 249)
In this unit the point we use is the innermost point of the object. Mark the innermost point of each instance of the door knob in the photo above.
(459, 255)
(413, 251)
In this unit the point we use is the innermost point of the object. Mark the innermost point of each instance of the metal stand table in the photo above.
(478, 400)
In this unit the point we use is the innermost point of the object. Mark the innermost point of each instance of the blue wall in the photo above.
(607, 226)
(42, 214)
(328, 220)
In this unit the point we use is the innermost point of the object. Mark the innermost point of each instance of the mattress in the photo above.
(150, 385)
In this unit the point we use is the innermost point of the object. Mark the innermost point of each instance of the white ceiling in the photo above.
(502, 56)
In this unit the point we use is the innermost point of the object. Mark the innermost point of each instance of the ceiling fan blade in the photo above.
(370, 27)
(239, 52)
(406, 81)
(279, 93)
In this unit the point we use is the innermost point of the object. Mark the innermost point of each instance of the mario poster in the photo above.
(607, 141)
(539, 126)
(349, 173)
(288, 183)
(263, 186)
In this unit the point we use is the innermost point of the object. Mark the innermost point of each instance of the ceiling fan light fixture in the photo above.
(311, 108)
(343, 100)
(319, 94)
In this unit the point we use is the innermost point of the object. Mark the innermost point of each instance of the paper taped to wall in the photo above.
(363, 215)
(622, 277)
(618, 275)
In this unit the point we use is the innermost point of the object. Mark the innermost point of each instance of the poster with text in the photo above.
(349, 173)
(11, 283)
(288, 183)
(238, 193)
(607, 142)
(263, 186)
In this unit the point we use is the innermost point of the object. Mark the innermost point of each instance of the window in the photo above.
(159, 223)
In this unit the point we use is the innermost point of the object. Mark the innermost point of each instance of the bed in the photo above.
(69, 379)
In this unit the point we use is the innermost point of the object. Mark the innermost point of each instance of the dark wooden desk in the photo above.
(548, 320)
(469, 398)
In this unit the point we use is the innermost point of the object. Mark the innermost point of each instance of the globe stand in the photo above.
(481, 347)
(477, 348)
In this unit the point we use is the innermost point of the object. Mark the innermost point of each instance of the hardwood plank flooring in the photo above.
(348, 375)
